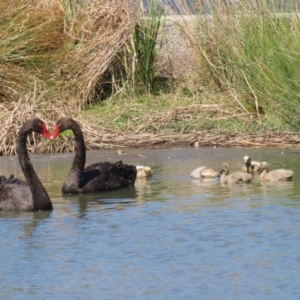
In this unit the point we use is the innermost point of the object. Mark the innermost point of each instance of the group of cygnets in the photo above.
(249, 168)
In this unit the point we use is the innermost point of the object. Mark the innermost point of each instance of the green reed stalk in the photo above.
(252, 52)
(146, 47)
(139, 61)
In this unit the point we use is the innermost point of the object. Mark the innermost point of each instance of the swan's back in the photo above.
(277, 175)
(15, 194)
(237, 177)
(254, 167)
(104, 176)
(209, 173)
(204, 172)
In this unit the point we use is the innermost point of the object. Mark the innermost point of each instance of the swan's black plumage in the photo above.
(96, 177)
(16, 194)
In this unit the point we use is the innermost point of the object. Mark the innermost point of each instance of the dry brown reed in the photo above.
(66, 55)
(13, 115)
(135, 135)
(30, 37)
(52, 63)
(99, 31)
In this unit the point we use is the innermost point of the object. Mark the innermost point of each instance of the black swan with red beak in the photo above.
(16, 194)
(96, 177)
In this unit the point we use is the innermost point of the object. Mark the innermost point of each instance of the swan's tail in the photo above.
(127, 173)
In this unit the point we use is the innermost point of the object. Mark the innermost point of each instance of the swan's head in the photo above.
(62, 125)
(225, 166)
(38, 126)
(264, 166)
(225, 170)
(143, 171)
(247, 160)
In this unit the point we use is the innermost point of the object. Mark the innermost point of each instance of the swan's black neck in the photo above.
(41, 200)
(72, 182)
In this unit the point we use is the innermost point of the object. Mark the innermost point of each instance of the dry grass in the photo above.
(30, 37)
(99, 31)
(67, 57)
(136, 134)
(52, 63)
(13, 116)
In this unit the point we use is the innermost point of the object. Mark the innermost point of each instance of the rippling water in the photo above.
(169, 238)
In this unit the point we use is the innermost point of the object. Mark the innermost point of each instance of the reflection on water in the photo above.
(169, 237)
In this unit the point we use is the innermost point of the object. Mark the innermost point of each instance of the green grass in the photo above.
(176, 113)
(255, 54)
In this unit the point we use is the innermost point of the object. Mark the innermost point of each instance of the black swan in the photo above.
(96, 177)
(16, 194)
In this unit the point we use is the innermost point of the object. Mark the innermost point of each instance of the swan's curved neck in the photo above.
(222, 178)
(75, 174)
(223, 174)
(40, 196)
(263, 174)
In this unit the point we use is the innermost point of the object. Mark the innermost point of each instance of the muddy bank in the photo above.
(200, 139)
(109, 140)
(105, 138)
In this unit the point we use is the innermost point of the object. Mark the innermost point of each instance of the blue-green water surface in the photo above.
(170, 237)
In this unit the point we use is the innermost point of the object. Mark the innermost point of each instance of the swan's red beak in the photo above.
(55, 133)
(45, 132)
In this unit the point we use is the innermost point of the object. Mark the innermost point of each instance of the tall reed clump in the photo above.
(30, 41)
(138, 65)
(54, 56)
(98, 32)
(251, 51)
(61, 46)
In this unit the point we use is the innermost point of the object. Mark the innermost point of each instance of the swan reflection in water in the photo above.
(31, 221)
(106, 200)
(277, 187)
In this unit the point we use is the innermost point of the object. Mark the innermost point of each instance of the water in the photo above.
(169, 238)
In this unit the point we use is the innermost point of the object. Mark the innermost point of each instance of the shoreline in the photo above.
(161, 141)
(200, 139)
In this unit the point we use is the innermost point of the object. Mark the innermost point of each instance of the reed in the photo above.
(30, 40)
(65, 47)
(138, 63)
(250, 52)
